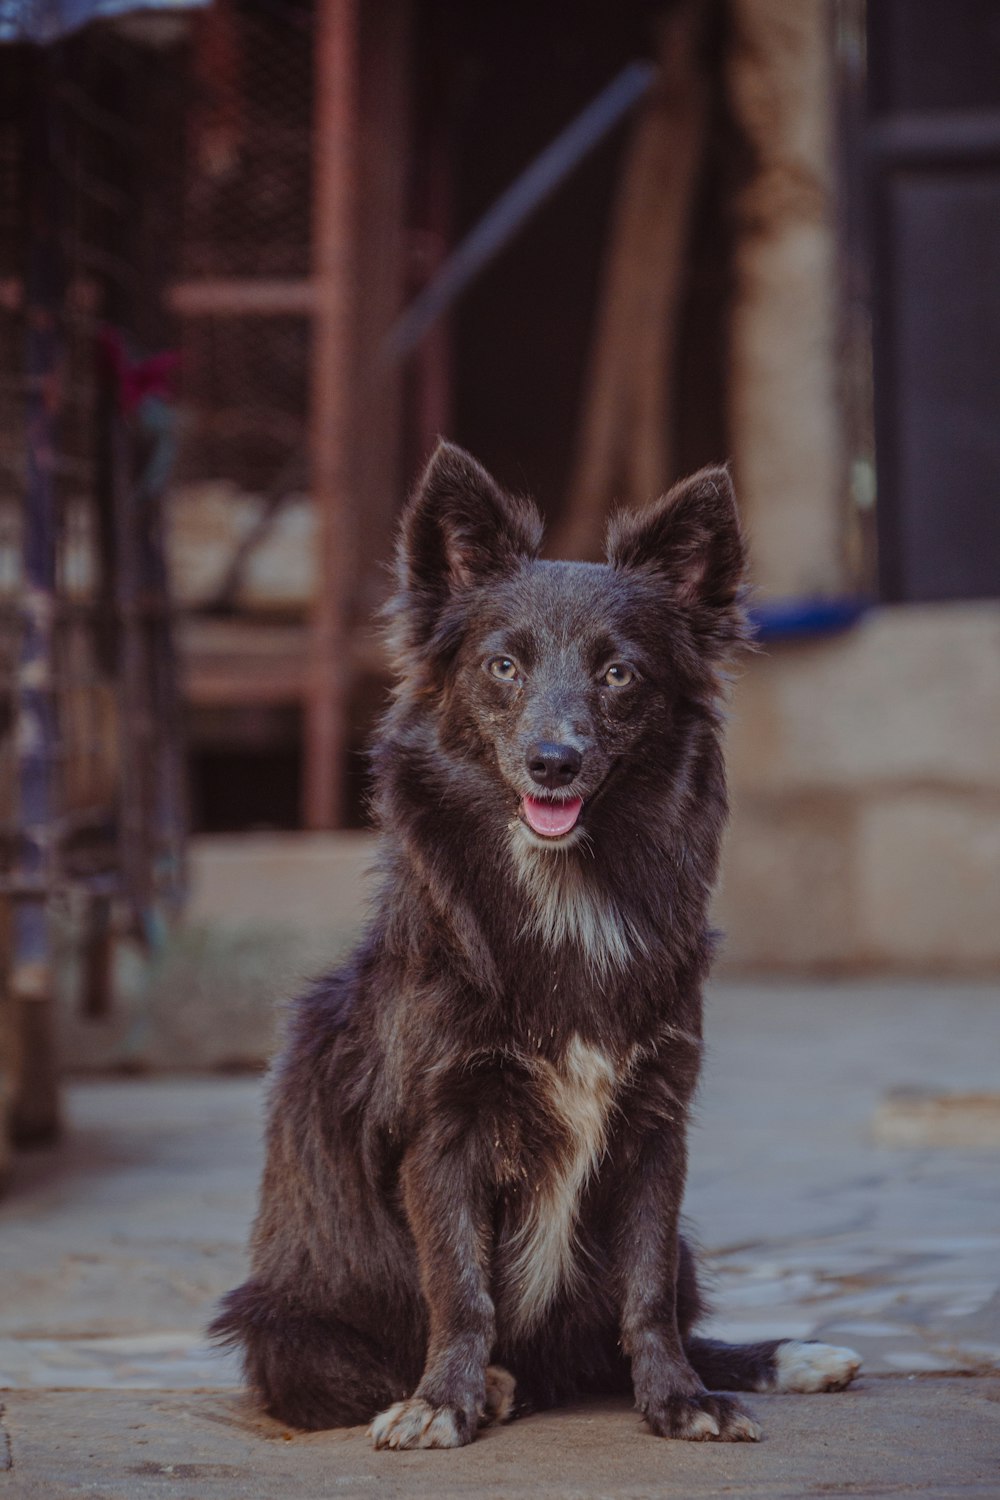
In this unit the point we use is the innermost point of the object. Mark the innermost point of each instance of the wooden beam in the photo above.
(237, 684)
(334, 211)
(624, 447)
(228, 662)
(243, 297)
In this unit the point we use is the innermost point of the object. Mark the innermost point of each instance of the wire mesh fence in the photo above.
(91, 804)
(243, 263)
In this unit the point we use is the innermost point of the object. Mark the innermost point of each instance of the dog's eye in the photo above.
(618, 675)
(504, 668)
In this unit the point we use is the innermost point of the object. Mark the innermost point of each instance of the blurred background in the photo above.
(256, 254)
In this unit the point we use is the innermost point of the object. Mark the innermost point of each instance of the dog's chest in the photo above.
(571, 1103)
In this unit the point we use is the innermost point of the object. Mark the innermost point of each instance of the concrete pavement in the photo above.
(114, 1246)
(890, 1437)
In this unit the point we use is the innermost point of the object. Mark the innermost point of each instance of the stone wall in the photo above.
(866, 784)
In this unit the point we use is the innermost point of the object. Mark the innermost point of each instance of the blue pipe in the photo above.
(805, 619)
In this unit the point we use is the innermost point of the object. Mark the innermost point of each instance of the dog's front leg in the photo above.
(447, 1207)
(667, 1391)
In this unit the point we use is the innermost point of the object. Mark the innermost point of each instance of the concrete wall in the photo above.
(267, 913)
(783, 413)
(866, 783)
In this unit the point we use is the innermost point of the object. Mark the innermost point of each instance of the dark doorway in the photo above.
(933, 138)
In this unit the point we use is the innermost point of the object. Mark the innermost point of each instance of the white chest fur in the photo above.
(565, 908)
(578, 1092)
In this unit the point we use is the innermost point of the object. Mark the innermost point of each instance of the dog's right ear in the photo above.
(459, 529)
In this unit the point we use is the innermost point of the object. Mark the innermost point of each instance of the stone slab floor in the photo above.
(114, 1245)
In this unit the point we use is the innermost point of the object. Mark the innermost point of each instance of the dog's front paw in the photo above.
(702, 1418)
(417, 1424)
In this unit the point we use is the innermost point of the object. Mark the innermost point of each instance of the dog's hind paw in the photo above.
(811, 1366)
(499, 1403)
(703, 1418)
(417, 1424)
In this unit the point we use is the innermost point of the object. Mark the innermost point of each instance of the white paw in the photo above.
(813, 1367)
(500, 1387)
(417, 1424)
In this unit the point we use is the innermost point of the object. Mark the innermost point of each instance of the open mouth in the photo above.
(551, 820)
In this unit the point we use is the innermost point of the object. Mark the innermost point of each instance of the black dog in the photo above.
(476, 1148)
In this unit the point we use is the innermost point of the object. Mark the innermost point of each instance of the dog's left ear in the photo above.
(692, 539)
(459, 529)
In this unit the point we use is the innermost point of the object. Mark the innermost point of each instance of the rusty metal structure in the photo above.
(179, 190)
(264, 187)
(291, 105)
(91, 816)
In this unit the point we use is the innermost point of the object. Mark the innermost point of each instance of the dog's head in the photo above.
(567, 684)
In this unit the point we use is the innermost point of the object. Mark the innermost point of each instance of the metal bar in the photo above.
(242, 297)
(334, 159)
(515, 206)
(136, 724)
(953, 135)
(35, 1115)
(99, 884)
(167, 813)
(97, 960)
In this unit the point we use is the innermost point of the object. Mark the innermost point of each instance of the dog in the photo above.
(476, 1143)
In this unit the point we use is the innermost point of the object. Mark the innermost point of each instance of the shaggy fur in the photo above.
(476, 1143)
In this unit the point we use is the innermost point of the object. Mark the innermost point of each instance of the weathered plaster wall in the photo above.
(783, 412)
(865, 772)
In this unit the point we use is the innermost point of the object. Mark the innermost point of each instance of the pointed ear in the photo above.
(459, 529)
(692, 539)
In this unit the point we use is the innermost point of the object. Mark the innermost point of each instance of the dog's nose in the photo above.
(553, 765)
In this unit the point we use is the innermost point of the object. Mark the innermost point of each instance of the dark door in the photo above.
(933, 138)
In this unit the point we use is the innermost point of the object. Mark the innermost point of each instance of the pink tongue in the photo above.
(551, 819)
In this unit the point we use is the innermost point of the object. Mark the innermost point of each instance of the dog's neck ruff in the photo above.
(565, 908)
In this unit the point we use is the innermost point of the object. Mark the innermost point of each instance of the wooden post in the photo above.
(624, 448)
(334, 159)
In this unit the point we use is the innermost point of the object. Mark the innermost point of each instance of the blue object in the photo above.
(804, 619)
(45, 21)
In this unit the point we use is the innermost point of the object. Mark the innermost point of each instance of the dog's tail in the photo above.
(777, 1365)
(308, 1370)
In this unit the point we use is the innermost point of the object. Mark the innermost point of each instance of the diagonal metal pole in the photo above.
(515, 206)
